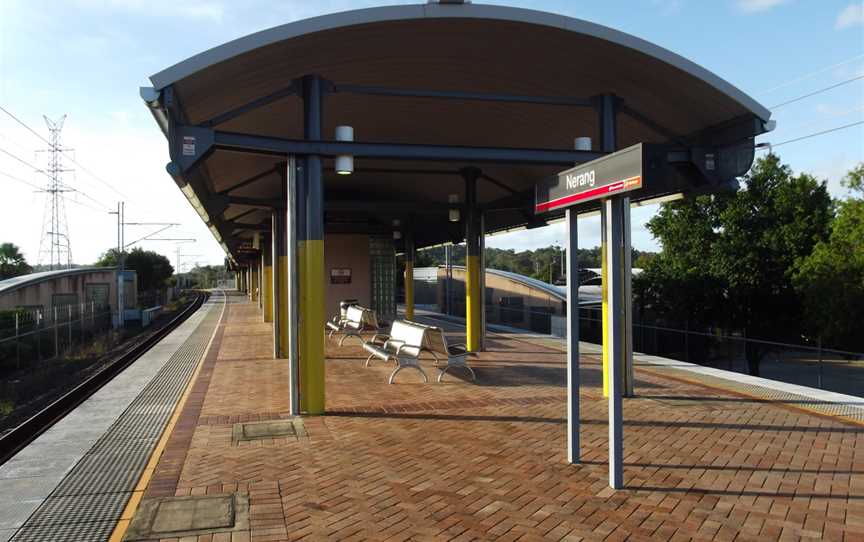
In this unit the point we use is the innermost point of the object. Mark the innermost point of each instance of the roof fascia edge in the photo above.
(251, 42)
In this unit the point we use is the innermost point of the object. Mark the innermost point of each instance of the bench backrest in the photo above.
(407, 332)
(436, 341)
(354, 313)
(370, 319)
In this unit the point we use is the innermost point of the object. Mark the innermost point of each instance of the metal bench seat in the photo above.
(403, 345)
(456, 354)
(357, 320)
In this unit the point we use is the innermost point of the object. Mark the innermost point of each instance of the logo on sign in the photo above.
(578, 181)
(188, 145)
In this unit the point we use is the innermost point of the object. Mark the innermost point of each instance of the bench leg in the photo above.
(441, 372)
(342, 340)
(368, 360)
(400, 367)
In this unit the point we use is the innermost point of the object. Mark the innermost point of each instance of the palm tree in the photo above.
(12, 262)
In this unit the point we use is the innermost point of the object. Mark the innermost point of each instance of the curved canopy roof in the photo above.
(459, 56)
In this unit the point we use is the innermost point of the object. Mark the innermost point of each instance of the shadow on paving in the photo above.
(627, 423)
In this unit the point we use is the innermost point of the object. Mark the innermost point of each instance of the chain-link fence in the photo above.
(30, 336)
(806, 365)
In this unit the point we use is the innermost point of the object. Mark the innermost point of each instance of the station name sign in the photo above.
(613, 174)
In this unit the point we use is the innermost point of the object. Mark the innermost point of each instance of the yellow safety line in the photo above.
(138, 493)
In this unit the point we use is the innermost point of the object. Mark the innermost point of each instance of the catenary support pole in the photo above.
(312, 356)
(573, 452)
(409, 273)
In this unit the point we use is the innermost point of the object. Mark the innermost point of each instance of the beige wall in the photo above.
(40, 294)
(351, 251)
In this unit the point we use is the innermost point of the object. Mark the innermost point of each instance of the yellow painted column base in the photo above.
(409, 290)
(312, 322)
(473, 300)
(267, 292)
(282, 306)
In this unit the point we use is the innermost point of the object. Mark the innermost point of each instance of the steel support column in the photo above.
(286, 280)
(277, 249)
(312, 249)
(473, 295)
(409, 273)
(573, 451)
(267, 277)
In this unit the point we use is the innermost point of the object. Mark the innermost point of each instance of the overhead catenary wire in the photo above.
(808, 136)
(63, 151)
(815, 92)
(809, 75)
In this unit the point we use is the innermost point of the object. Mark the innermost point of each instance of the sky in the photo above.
(86, 59)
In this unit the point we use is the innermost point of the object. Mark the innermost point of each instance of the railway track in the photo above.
(19, 437)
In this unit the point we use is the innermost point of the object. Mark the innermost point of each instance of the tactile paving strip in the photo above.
(90, 499)
(837, 410)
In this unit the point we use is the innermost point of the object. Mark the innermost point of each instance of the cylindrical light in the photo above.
(453, 215)
(396, 233)
(344, 162)
(582, 144)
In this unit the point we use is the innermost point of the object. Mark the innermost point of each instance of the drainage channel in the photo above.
(89, 501)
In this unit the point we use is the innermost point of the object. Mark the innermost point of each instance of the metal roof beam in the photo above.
(245, 108)
(256, 144)
(461, 95)
(248, 181)
(647, 121)
(255, 202)
(243, 226)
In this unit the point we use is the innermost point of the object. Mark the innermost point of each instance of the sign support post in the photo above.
(608, 179)
(614, 340)
(573, 447)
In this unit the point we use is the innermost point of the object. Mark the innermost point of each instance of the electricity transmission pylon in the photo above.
(55, 246)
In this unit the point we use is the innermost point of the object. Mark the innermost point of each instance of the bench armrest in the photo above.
(383, 337)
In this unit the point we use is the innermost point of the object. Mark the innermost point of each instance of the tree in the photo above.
(729, 259)
(831, 279)
(12, 262)
(152, 268)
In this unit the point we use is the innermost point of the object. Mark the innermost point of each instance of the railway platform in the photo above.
(74, 481)
(704, 458)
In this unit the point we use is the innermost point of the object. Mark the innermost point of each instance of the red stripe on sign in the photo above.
(634, 182)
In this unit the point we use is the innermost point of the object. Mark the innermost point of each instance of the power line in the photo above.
(809, 75)
(808, 136)
(815, 92)
(20, 180)
(25, 162)
(64, 151)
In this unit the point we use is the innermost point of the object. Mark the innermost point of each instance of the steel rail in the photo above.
(23, 434)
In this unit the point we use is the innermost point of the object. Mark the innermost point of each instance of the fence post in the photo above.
(819, 377)
(56, 337)
(687, 340)
(39, 320)
(69, 325)
(17, 344)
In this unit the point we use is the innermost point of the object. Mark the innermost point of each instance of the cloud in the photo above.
(853, 15)
(668, 7)
(189, 9)
(754, 6)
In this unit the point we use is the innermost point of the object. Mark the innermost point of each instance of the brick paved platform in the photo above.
(487, 461)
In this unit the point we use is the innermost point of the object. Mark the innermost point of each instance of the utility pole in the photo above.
(55, 229)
